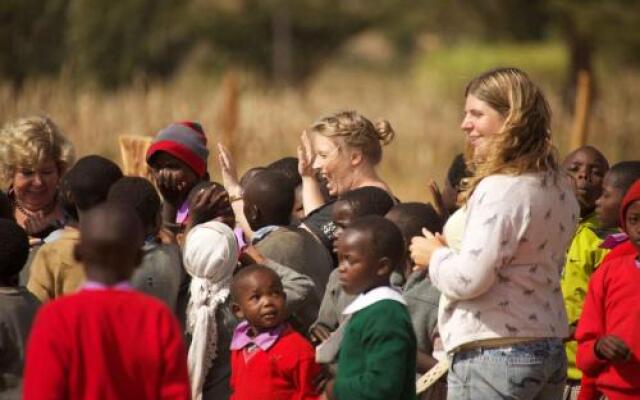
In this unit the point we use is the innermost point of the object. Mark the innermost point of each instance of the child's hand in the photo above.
(306, 156)
(612, 348)
(171, 188)
(229, 171)
(251, 255)
(319, 333)
(438, 201)
(423, 247)
(211, 203)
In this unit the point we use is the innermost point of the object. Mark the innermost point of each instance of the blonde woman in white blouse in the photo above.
(501, 314)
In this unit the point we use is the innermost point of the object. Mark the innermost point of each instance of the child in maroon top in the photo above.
(269, 360)
(106, 341)
(608, 333)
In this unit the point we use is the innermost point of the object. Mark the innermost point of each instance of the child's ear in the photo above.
(235, 309)
(252, 212)
(385, 267)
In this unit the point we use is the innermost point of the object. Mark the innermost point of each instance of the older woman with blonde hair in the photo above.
(501, 315)
(33, 155)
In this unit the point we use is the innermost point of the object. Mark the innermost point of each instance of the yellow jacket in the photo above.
(583, 257)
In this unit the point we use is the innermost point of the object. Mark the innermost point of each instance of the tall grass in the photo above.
(424, 112)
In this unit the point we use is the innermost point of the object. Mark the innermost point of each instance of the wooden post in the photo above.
(580, 127)
(228, 114)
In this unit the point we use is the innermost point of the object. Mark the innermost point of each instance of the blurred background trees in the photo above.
(113, 43)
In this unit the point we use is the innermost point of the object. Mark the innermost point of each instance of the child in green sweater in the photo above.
(377, 357)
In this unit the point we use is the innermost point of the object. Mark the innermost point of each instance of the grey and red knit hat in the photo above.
(186, 141)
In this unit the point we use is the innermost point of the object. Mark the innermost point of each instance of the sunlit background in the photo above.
(255, 73)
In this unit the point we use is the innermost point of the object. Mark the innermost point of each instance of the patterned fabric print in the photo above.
(505, 281)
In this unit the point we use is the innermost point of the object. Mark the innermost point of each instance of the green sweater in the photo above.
(377, 358)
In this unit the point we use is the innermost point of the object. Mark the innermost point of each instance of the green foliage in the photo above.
(114, 42)
(31, 38)
(448, 69)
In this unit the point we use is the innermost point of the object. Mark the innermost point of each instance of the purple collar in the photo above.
(95, 286)
(613, 240)
(183, 212)
(264, 340)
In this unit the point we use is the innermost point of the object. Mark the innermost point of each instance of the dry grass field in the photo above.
(425, 116)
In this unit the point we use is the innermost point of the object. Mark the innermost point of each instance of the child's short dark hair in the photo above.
(368, 200)
(248, 175)
(411, 217)
(14, 248)
(272, 193)
(245, 272)
(287, 166)
(387, 240)
(6, 208)
(90, 179)
(65, 198)
(457, 171)
(139, 194)
(625, 173)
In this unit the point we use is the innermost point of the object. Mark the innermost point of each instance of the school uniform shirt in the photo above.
(159, 274)
(18, 308)
(297, 249)
(505, 280)
(334, 301)
(611, 308)
(54, 271)
(377, 358)
(278, 364)
(106, 343)
(584, 256)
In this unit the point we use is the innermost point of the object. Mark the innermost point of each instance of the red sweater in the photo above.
(611, 308)
(105, 344)
(284, 372)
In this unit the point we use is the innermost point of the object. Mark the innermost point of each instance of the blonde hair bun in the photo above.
(385, 132)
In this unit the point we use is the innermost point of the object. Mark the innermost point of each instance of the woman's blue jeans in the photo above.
(525, 371)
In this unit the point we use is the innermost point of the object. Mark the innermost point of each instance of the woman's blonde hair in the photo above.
(29, 141)
(356, 131)
(524, 142)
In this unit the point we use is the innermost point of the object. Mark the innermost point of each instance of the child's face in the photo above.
(608, 204)
(357, 268)
(342, 216)
(632, 222)
(261, 300)
(587, 168)
(172, 174)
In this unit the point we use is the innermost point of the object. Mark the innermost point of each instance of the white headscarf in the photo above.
(210, 255)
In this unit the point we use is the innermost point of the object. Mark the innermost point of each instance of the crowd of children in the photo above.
(183, 288)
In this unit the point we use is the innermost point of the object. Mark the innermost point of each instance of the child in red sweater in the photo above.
(106, 341)
(269, 360)
(608, 333)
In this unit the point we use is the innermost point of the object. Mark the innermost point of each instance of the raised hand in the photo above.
(306, 156)
(170, 186)
(211, 203)
(229, 172)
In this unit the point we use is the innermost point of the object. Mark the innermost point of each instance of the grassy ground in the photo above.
(423, 104)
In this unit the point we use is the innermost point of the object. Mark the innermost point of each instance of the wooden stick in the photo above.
(580, 128)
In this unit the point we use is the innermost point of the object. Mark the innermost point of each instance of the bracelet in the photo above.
(234, 198)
